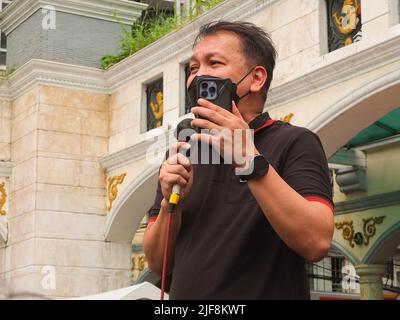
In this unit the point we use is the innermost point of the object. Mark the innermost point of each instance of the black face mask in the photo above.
(193, 91)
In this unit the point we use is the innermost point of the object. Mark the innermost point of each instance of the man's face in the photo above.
(220, 55)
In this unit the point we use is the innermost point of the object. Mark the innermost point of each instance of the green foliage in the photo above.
(153, 25)
(7, 73)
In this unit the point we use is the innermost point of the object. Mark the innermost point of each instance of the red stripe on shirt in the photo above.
(267, 124)
(152, 219)
(321, 200)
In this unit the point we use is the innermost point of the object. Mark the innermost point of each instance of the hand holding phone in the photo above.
(219, 91)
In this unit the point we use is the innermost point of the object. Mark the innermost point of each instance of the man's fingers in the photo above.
(205, 124)
(206, 138)
(236, 111)
(172, 179)
(180, 159)
(209, 105)
(176, 147)
(214, 116)
(180, 170)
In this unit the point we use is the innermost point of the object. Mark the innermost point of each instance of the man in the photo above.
(235, 236)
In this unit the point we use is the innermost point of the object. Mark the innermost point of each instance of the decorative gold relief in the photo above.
(287, 118)
(113, 183)
(154, 104)
(158, 108)
(139, 263)
(133, 260)
(369, 228)
(348, 231)
(359, 238)
(344, 23)
(3, 197)
(348, 23)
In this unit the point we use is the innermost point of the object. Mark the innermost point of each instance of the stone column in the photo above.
(371, 281)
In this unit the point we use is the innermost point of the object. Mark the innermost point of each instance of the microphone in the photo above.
(174, 198)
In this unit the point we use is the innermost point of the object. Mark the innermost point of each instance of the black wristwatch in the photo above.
(260, 167)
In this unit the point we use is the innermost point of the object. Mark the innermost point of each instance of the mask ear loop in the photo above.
(237, 98)
(244, 77)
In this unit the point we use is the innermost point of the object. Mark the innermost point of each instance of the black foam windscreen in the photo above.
(185, 124)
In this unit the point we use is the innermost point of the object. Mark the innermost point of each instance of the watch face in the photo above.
(259, 167)
(260, 163)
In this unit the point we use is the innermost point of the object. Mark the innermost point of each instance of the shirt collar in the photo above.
(261, 121)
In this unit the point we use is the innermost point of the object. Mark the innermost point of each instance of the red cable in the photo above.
(164, 270)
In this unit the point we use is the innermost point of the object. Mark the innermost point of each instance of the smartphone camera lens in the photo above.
(204, 94)
(212, 90)
(204, 85)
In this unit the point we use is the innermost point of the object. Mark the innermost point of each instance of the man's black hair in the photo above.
(257, 45)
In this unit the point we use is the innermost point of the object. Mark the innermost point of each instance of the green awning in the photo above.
(385, 127)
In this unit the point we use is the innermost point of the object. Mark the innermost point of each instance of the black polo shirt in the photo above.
(226, 248)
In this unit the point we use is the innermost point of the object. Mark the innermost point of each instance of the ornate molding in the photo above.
(38, 71)
(369, 228)
(20, 10)
(138, 151)
(171, 45)
(337, 67)
(139, 262)
(124, 156)
(3, 198)
(363, 58)
(287, 118)
(112, 193)
(348, 231)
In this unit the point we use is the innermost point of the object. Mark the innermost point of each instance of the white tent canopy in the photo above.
(140, 291)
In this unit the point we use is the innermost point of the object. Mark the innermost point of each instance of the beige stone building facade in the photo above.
(78, 165)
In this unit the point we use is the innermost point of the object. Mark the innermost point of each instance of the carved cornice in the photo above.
(54, 73)
(138, 151)
(20, 10)
(125, 156)
(330, 72)
(336, 70)
(140, 63)
(365, 203)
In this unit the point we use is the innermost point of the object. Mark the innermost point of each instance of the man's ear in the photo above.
(259, 77)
